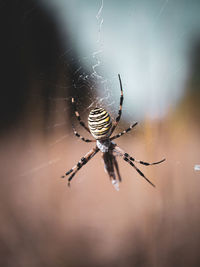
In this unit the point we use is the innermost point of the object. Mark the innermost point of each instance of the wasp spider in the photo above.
(101, 128)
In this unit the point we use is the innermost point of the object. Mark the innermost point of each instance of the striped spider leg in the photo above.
(120, 107)
(123, 132)
(78, 116)
(130, 160)
(81, 137)
(80, 164)
(81, 123)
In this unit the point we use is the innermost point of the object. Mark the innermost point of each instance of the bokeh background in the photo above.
(52, 50)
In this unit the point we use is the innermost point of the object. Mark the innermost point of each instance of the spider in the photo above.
(101, 127)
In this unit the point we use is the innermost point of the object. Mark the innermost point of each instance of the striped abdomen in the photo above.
(100, 123)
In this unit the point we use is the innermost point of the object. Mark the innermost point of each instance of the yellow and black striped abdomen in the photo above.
(100, 123)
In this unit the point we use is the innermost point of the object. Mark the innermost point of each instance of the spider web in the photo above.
(150, 87)
(91, 74)
(151, 60)
(135, 39)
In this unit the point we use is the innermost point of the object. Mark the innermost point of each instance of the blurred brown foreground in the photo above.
(45, 223)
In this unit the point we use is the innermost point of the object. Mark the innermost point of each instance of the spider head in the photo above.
(100, 123)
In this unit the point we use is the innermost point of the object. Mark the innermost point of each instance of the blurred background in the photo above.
(53, 50)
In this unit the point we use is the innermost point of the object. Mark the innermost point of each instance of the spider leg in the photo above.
(120, 151)
(146, 163)
(78, 116)
(123, 155)
(80, 164)
(125, 131)
(108, 164)
(117, 168)
(120, 106)
(81, 137)
(141, 173)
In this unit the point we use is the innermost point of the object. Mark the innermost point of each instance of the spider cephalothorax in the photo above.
(101, 128)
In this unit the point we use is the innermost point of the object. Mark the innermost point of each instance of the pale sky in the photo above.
(146, 41)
